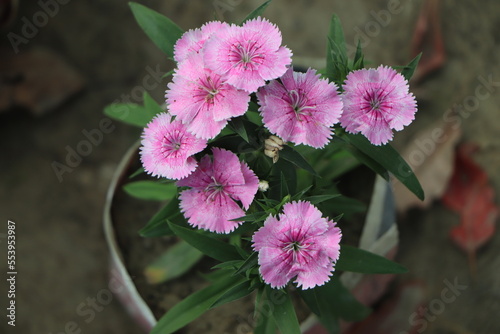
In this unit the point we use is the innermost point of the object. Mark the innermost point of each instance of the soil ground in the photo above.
(62, 282)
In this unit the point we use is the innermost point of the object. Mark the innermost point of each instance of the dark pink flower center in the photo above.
(208, 88)
(214, 189)
(171, 144)
(246, 54)
(374, 100)
(297, 247)
(300, 104)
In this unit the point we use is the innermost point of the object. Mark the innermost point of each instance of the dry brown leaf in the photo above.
(431, 155)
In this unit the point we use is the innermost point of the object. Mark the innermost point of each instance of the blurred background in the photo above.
(62, 62)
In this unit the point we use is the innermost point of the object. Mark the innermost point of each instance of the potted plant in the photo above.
(248, 153)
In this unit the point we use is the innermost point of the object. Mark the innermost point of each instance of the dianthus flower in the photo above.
(376, 101)
(248, 55)
(167, 148)
(299, 243)
(192, 41)
(216, 185)
(202, 99)
(300, 107)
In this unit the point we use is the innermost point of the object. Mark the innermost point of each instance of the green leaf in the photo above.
(321, 305)
(291, 155)
(389, 159)
(284, 314)
(158, 225)
(257, 12)
(409, 69)
(233, 264)
(249, 263)
(362, 157)
(347, 205)
(237, 125)
(194, 306)
(214, 248)
(169, 73)
(336, 52)
(137, 173)
(361, 261)
(176, 261)
(151, 190)
(152, 108)
(358, 62)
(160, 29)
(283, 180)
(316, 199)
(129, 113)
(265, 325)
(233, 143)
(331, 301)
(236, 292)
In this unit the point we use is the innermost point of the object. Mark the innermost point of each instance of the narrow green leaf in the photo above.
(265, 325)
(194, 306)
(152, 108)
(331, 301)
(257, 12)
(137, 173)
(389, 159)
(291, 155)
(151, 190)
(264, 322)
(320, 304)
(256, 216)
(409, 69)
(283, 180)
(316, 199)
(346, 306)
(129, 113)
(214, 248)
(346, 205)
(233, 143)
(176, 261)
(362, 157)
(249, 263)
(169, 73)
(236, 292)
(358, 62)
(160, 29)
(284, 315)
(158, 225)
(237, 125)
(361, 261)
(233, 264)
(336, 52)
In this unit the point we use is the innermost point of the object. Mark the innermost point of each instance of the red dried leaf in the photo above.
(470, 194)
(428, 39)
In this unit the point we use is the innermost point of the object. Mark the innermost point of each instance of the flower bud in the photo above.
(263, 185)
(272, 146)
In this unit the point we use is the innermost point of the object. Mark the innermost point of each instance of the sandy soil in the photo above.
(61, 253)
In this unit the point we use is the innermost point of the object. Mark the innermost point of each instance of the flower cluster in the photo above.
(220, 67)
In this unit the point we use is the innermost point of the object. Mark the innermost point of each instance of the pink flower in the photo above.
(300, 243)
(376, 101)
(301, 108)
(248, 55)
(215, 187)
(167, 148)
(192, 41)
(202, 99)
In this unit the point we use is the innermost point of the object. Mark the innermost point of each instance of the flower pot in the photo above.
(379, 236)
